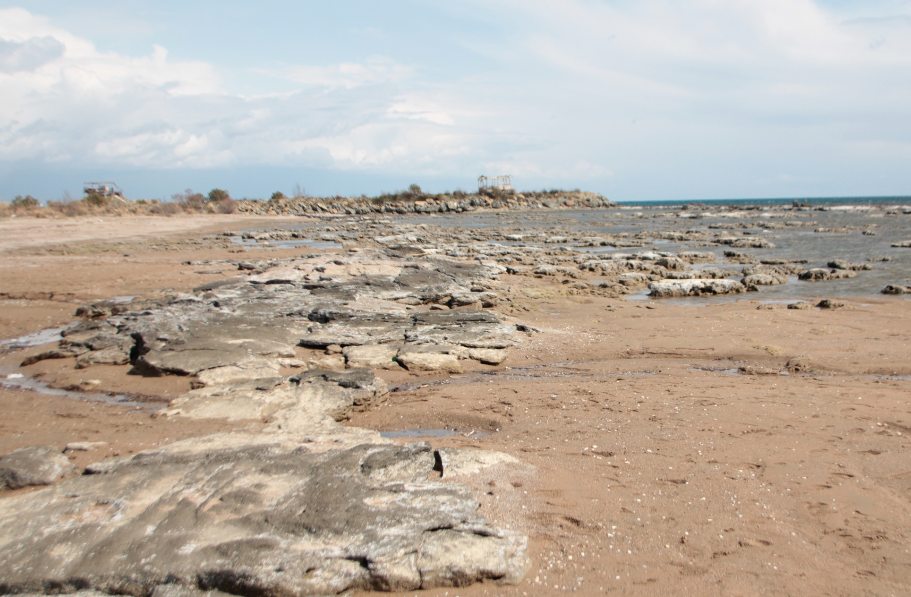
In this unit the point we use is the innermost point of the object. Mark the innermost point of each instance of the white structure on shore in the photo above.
(503, 183)
(105, 189)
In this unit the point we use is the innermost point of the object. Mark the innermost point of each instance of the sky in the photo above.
(635, 99)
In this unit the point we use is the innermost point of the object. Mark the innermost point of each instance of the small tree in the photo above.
(415, 189)
(216, 195)
(277, 196)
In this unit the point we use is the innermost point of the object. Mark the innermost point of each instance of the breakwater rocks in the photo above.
(408, 203)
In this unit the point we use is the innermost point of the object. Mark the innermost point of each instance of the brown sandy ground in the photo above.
(656, 469)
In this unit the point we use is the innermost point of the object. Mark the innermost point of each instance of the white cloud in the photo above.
(28, 55)
(347, 75)
(701, 90)
(64, 100)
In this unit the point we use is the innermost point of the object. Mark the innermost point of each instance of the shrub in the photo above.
(97, 200)
(277, 196)
(165, 209)
(216, 195)
(414, 189)
(189, 201)
(27, 202)
(226, 206)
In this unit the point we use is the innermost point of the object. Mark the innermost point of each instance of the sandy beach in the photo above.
(728, 448)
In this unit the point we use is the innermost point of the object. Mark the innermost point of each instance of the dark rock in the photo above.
(799, 365)
(746, 243)
(830, 304)
(816, 274)
(62, 353)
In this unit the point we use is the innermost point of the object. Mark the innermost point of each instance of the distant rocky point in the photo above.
(405, 203)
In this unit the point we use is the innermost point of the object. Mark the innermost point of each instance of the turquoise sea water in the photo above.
(811, 201)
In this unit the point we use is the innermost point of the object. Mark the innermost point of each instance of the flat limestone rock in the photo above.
(231, 373)
(84, 446)
(468, 461)
(684, 288)
(278, 275)
(488, 356)
(191, 362)
(429, 361)
(847, 265)
(112, 355)
(314, 301)
(500, 336)
(35, 465)
(769, 279)
(254, 517)
(308, 403)
(353, 333)
(334, 362)
(380, 356)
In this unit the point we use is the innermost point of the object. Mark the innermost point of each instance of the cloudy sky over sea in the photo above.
(638, 100)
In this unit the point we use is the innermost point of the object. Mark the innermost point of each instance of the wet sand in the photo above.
(669, 452)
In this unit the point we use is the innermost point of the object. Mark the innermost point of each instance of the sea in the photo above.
(898, 200)
(812, 229)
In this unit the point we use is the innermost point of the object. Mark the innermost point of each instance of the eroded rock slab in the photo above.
(35, 465)
(683, 288)
(254, 515)
(245, 327)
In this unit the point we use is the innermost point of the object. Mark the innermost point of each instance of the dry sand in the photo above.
(656, 468)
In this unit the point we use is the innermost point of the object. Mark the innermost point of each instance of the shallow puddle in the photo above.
(250, 243)
(37, 339)
(412, 433)
(18, 381)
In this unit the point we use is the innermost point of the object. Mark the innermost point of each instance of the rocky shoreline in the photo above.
(304, 505)
(425, 204)
(400, 529)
